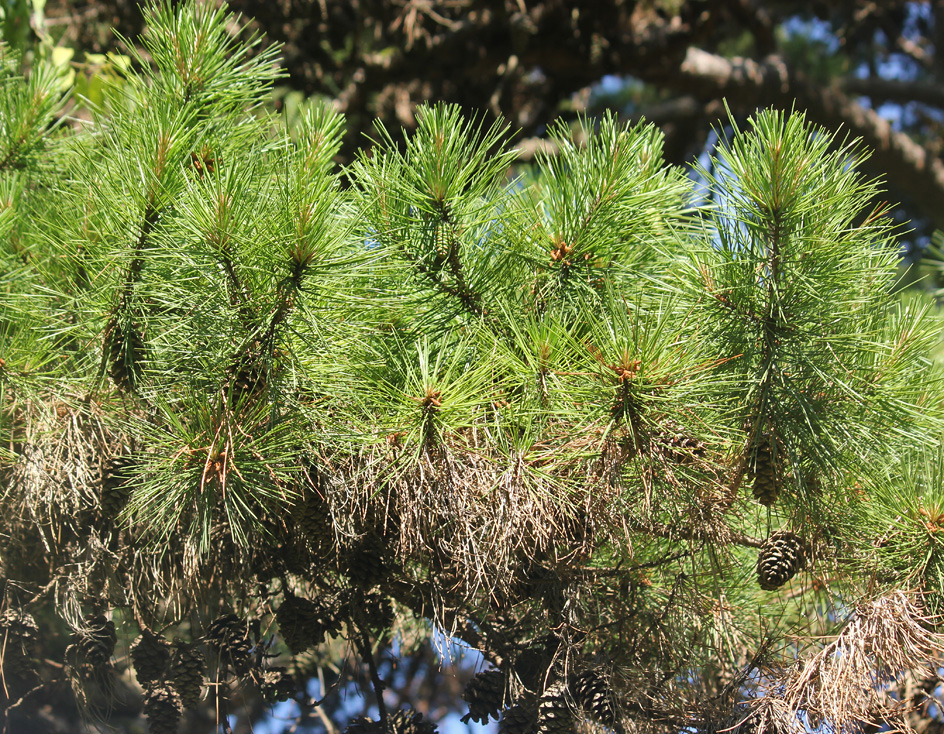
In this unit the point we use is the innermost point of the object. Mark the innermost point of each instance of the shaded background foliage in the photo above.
(868, 68)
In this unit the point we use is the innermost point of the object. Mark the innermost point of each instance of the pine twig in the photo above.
(362, 642)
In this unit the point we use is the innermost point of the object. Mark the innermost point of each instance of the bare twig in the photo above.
(362, 642)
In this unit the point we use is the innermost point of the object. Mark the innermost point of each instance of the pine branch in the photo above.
(133, 276)
(690, 533)
(238, 296)
(533, 458)
(470, 301)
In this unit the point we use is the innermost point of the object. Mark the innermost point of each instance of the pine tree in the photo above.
(637, 441)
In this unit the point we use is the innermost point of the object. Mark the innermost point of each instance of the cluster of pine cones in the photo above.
(583, 695)
(172, 675)
(172, 678)
(784, 553)
(405, 721)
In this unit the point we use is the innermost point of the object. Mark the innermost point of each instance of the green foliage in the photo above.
(200, 64)
(99, 77)
(27, 110)
(911, 514)
(809, 50)
(806, 299)
(558, 414)
(15, 17)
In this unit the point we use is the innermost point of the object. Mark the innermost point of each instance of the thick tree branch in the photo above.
(915, 50)
(896, 91)
(747, 84)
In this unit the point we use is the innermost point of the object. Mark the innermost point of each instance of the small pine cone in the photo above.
(229, 636)
(248, 375)
(485, 695)
(365, 562)
(312, 517)
(116, 489)
(150, 655)
(97, 641)
(441, 240)
(779, 560)
(554, 712)
(275, 685)
(300, 623)
(162, 709)
(679, 448)
(592, 693)
(305, 623)
(186, 673)
(763, 473)
(293, 556)
(408, 721)
(531, 664)
(520, 718)
(18, 628)
(18, 635)
(813, 482)
(311, 514)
